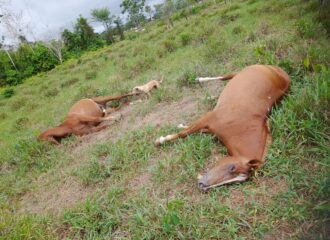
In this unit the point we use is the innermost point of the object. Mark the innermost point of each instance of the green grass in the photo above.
(133, 190)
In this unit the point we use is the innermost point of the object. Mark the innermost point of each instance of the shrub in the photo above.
(13, 77)
(9, 92)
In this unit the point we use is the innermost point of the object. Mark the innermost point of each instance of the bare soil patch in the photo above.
(53, 199)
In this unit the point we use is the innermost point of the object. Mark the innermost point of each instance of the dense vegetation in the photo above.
(116, 184)
(30, 58)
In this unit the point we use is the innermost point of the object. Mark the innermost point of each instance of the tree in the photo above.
(119, 27)
(159, 10)
(103, 16)
(82, 38)
(148, 10)
(85, 32)
(134, 9)
(56, 47)
(71, 41)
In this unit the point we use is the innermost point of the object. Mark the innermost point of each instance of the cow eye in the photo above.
(232, 167)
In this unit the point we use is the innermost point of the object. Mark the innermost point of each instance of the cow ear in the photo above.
(254, 163)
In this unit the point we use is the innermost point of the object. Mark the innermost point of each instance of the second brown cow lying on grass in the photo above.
(239, 120)
(83, 117)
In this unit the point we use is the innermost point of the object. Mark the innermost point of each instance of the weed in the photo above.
(52, 93)
(307, 29)
(210, 101)
(18, 103)
(228, 18)
(24, 226)
(3, 115)
(30, 154)
(90, 75)
(231, 8)
(20, 123)
(92, 173)
(85, 92)
(323, 16)
(185, 39)
(238, 30)
(93, 218)
(250, 2)
(264, 56)
(217, 49)
(187, 79)
(70, 82)
(170, 45)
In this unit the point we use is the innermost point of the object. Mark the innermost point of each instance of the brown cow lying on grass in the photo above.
(239, 120)
(83, 118)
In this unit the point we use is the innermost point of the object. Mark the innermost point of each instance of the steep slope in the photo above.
(116, 184)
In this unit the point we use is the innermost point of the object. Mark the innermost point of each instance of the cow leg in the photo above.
(104, 100)
(204, 130)
(50, 135)
(110, 110)
(90, 119)
(202, 123)
(223, 78)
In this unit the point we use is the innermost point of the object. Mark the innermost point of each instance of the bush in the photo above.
(185, 39)
(9, 92)
(13, 78)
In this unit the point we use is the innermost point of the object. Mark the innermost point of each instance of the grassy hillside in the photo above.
(117, 184)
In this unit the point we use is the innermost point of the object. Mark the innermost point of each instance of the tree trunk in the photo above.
(11, 60)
